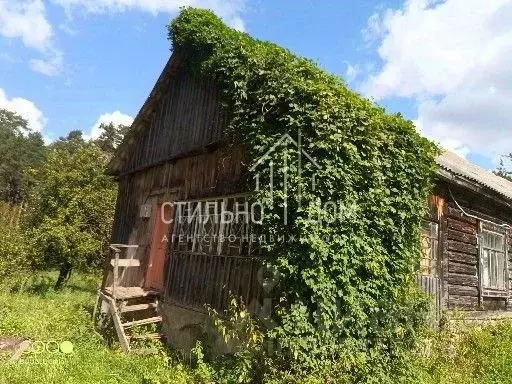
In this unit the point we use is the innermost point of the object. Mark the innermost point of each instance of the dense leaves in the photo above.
(16, 246)
(111, 136)
(69, 197)
(21, 152)
(345, 287)
(73, 208)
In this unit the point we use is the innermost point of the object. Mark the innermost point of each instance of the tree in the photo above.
(111, 137)
(21, 153)
(73, 208)
(73, 141)
(502, 169)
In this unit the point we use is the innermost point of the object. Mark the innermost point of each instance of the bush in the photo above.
(16, 245)
(73, 208)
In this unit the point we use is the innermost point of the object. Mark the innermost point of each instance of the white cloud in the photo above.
(26, 109)
(49, 66)
(352, 72)
(227, 9)
(237, 23)
(453, 58)
(26, 20)
(115, 117)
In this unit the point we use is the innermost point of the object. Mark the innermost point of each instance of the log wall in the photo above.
(459, 249)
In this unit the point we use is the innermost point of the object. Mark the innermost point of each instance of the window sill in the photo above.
(494, 293)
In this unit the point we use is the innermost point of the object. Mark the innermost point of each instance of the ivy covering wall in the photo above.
(345, 289)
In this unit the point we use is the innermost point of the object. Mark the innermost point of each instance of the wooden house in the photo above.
(466, 239)
(176, 152)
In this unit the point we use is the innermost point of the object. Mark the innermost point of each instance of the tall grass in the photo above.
(49, 318)
(467, 353)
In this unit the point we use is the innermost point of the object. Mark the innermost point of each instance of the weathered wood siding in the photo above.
(460, 255)
(188, 117)
(216, 173)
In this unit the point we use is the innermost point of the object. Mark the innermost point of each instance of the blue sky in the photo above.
(69, 64)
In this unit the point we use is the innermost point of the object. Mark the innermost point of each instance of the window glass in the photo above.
(493, 260)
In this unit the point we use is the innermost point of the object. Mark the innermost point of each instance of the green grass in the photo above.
(481, 355)
(49, 318)
(471, 354)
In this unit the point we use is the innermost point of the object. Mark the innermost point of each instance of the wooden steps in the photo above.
(147, 336)
(131, 312)
(126, 263)
(125, 293)
(150, 320)
(129, 307)
(137, 307)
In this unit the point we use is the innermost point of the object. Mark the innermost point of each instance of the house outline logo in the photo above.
(285, 139)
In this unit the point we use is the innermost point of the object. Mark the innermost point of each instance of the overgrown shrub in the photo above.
(16, 250)
(345, 295)
(16, 245)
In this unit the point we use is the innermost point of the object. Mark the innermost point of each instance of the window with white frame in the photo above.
(493, 259)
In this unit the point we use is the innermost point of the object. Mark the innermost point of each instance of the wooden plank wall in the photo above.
(211, 174)
(188, 117)
(198, 279)
(432, 286)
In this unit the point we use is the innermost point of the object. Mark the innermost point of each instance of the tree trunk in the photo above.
(64, 275)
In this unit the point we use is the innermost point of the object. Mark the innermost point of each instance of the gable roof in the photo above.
(451, 166)
(455, 168)
(115, 165)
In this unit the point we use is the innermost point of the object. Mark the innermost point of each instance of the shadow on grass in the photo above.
(43, 284)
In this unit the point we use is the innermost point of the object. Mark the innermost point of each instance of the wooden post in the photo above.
(116, 272)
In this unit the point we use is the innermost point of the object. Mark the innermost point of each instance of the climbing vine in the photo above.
(352, 195)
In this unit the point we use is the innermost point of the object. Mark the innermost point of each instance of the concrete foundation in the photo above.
(183, 327)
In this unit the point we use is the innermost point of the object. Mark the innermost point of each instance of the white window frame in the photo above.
(484, 276)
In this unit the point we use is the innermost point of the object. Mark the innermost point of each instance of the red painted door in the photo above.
(161, 237)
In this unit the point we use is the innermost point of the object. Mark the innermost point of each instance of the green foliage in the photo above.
(72, 142)
(21, 152)
(250, 360)
(502, 170)
(111, 136)
(16, 245)
(73, 207)
(345, 293)
(17, 250)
